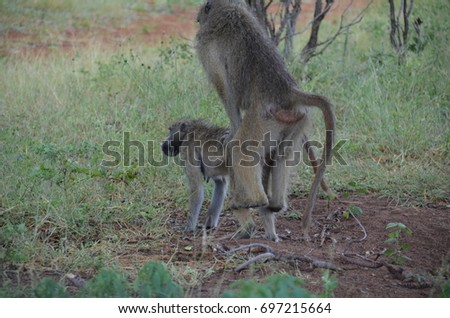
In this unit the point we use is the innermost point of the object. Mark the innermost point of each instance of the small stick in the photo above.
(244, 265)
(249, 246)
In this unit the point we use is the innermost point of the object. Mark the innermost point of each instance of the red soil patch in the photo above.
(149, 28)
(143, 28)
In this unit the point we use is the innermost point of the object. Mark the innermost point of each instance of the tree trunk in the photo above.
(319, 15)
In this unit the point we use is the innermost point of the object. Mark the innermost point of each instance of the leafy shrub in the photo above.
(106, 284)
(48, 288)
(11, 248)
(397, 245)
(445, 290)
(154, 281)
(275, 286)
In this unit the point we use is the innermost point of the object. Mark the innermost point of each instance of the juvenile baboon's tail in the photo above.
(326, 107)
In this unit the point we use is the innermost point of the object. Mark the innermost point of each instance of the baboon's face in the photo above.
(202, 15)
(172, 144)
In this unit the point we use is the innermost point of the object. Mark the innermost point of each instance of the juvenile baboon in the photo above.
(260, 97)
(202, 149)
(200, 146)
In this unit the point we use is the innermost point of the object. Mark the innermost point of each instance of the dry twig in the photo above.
(270, 254)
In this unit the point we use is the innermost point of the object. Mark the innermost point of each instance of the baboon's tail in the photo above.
(328, 116)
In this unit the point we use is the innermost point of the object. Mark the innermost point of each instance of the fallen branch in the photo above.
(250, 246)
(270, 254)
(362, 261)
(244, 265)
(314, 262)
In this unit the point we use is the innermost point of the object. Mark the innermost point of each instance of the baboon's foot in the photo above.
(268, 218)
(276, 208)
(272, 237)
(189, 229)
(306, 236)
(210, 223)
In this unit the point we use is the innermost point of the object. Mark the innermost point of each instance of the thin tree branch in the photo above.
(270, 254)
(341, 29)
(244, 265)
(250, 246)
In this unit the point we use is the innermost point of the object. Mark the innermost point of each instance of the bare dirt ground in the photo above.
(374, 276)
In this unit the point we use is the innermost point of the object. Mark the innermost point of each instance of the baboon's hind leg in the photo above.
(246, 174)
(277, 200)
(196, 195)
(220, 191)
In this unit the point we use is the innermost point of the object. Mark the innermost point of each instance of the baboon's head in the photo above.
(177, 134)
(210, 5)
(202, 15)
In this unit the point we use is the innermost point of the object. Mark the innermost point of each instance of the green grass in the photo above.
(62, 211)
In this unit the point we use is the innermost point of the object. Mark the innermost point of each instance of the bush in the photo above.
(276, 286)
(154, 281)
(106, 284)
(48, 288)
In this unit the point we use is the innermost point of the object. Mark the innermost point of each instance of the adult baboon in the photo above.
(201, 146)
(261, 98)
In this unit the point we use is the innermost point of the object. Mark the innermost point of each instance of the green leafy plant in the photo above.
(276, 286)
(154, 281)
(445, 290)
(48, 288)
(396, 243)
(352, 209)
(10, 249)
(107, 284)
(330, 283)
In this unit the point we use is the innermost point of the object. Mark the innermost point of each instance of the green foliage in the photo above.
(396, 243)
(176, 53)
(276, 286)
(106, 284)
(48, 288)
(154, 281)
(64, 166)
(352, 209)
(11, 249)
(445, 290)
(330, 283)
